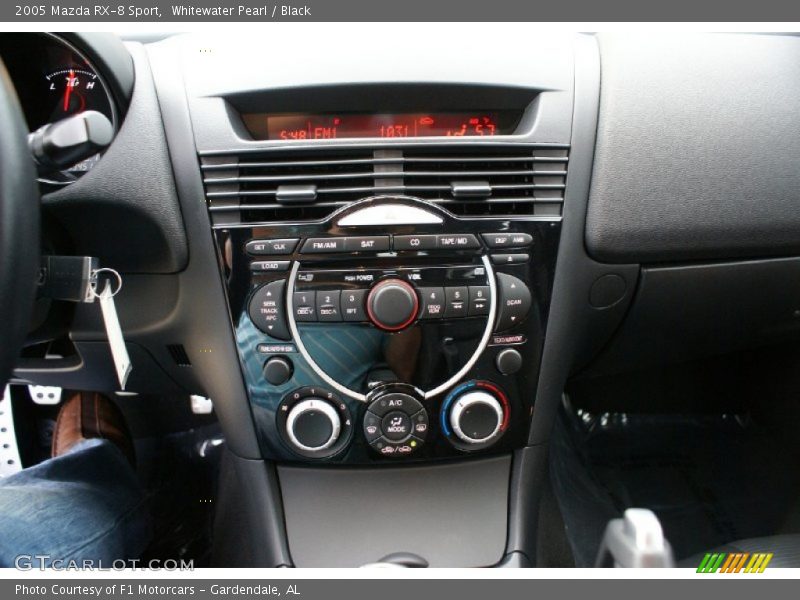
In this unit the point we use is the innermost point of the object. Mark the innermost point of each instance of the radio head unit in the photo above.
(392, 329)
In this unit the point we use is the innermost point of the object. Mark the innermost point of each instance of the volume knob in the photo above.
(392, 304)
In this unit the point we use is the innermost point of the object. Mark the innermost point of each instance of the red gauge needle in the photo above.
(68, 91)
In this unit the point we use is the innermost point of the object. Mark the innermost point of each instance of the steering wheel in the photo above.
(19, 228)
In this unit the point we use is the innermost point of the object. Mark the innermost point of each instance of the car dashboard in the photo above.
(383, 266)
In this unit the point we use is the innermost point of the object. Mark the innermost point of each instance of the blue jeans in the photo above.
(84, 505)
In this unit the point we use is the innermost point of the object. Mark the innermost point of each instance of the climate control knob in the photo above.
(392, 304)
(475, 415)
(313, 425)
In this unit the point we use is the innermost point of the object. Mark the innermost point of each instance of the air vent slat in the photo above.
(469, 180)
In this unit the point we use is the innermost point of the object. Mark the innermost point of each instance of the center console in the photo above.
(392, 331)
(386, 239)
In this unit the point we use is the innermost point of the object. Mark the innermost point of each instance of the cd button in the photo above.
(305, 306)
(373, 243)
(432, 302)
(415, 242)
(457, 302)
(459, 241)
(328, 308)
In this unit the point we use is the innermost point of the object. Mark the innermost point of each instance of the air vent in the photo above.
(469, 181)
(178, 353)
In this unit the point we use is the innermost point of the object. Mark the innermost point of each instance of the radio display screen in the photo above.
(322, 126)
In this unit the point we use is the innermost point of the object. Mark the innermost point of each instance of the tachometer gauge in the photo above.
(55, 81)
(75, 90)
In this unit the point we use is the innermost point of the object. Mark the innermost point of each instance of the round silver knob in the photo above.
(476, 417)
(313, 424)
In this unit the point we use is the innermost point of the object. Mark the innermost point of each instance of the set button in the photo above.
(266, 247)
(415, 242)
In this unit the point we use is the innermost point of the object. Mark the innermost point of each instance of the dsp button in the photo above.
(371, 243)
(328, 305)
(515, 301)
(266, 247)
(433, 302)
(507, 240)
(267, 310)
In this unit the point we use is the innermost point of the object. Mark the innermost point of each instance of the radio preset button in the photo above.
(478, 300)
(324, 245)
(305, 306)
(456, 302)
(370, 243)
(433, 302)
(415, 242)
(264, 247)
(353, 305)
(458, 241)
(507, 240)
(328, 306)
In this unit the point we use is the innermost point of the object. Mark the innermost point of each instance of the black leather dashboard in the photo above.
(698, 148)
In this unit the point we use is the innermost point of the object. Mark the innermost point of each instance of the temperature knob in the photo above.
(475, 415)
(392, 304)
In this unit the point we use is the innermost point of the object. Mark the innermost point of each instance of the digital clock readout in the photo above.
(406, 125)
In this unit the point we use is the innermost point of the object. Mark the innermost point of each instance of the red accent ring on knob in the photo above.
(404, 324)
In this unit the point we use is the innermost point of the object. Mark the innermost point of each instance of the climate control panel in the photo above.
(392, 331)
